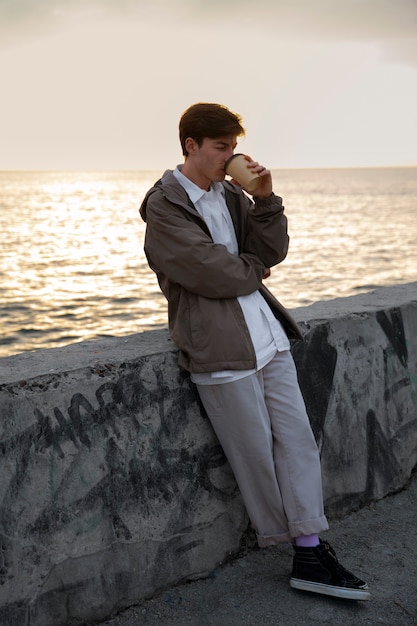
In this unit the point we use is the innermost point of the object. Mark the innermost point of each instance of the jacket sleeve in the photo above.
(178, 246)
(265, 233)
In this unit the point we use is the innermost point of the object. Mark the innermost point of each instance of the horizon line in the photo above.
(157, 169)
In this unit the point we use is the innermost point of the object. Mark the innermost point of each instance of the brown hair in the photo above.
(205, 119)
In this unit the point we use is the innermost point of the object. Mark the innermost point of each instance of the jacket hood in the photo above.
(166, 183)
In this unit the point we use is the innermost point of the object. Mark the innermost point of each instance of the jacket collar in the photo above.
(174, 192)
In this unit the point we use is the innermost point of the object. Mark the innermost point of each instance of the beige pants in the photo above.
(263, 427)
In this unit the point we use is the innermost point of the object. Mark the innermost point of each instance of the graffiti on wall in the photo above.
(99, 466)
(370, 406)
(316, 366)
(382, 443)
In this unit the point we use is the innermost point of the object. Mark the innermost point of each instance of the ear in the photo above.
(191, 145)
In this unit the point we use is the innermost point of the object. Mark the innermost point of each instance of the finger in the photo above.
(259, 169)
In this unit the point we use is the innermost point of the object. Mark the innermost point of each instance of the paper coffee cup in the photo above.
(236, 166)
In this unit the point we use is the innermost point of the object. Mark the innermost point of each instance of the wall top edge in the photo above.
(371, 301)
(116, 350)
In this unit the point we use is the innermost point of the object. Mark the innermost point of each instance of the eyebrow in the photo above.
(224, 143)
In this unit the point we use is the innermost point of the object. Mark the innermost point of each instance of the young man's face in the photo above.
(205, 163)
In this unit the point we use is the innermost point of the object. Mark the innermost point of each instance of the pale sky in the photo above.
(101, 84)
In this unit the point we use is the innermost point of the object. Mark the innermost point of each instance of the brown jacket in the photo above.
(201, 280)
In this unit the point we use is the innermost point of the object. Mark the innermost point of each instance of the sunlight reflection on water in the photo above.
(72, 265)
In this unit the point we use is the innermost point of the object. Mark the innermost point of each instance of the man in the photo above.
(210, 246)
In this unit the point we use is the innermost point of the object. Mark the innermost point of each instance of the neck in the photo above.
(195, 176)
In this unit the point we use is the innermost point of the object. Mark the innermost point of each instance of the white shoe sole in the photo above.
(328, 590)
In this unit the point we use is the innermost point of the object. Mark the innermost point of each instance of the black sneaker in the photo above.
(318, 570)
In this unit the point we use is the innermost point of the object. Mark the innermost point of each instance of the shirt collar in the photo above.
(195, 193)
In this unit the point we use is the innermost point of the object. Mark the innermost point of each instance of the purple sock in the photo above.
(307, 541)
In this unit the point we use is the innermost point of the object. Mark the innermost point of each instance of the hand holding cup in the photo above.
(254, 178)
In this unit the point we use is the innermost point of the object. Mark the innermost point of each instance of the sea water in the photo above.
(72, 265)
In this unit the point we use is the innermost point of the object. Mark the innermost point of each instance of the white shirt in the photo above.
(265, 330)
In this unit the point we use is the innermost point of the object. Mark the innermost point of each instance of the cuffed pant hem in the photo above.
(264, 541)
(308, 527)
(296, 529)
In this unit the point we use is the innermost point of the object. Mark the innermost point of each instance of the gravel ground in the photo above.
(378, 543)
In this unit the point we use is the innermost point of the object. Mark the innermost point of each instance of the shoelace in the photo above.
(338, 567)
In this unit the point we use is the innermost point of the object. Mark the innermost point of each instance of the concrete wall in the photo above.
(113, 486)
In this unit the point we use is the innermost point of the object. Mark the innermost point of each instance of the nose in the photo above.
(228, 155)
